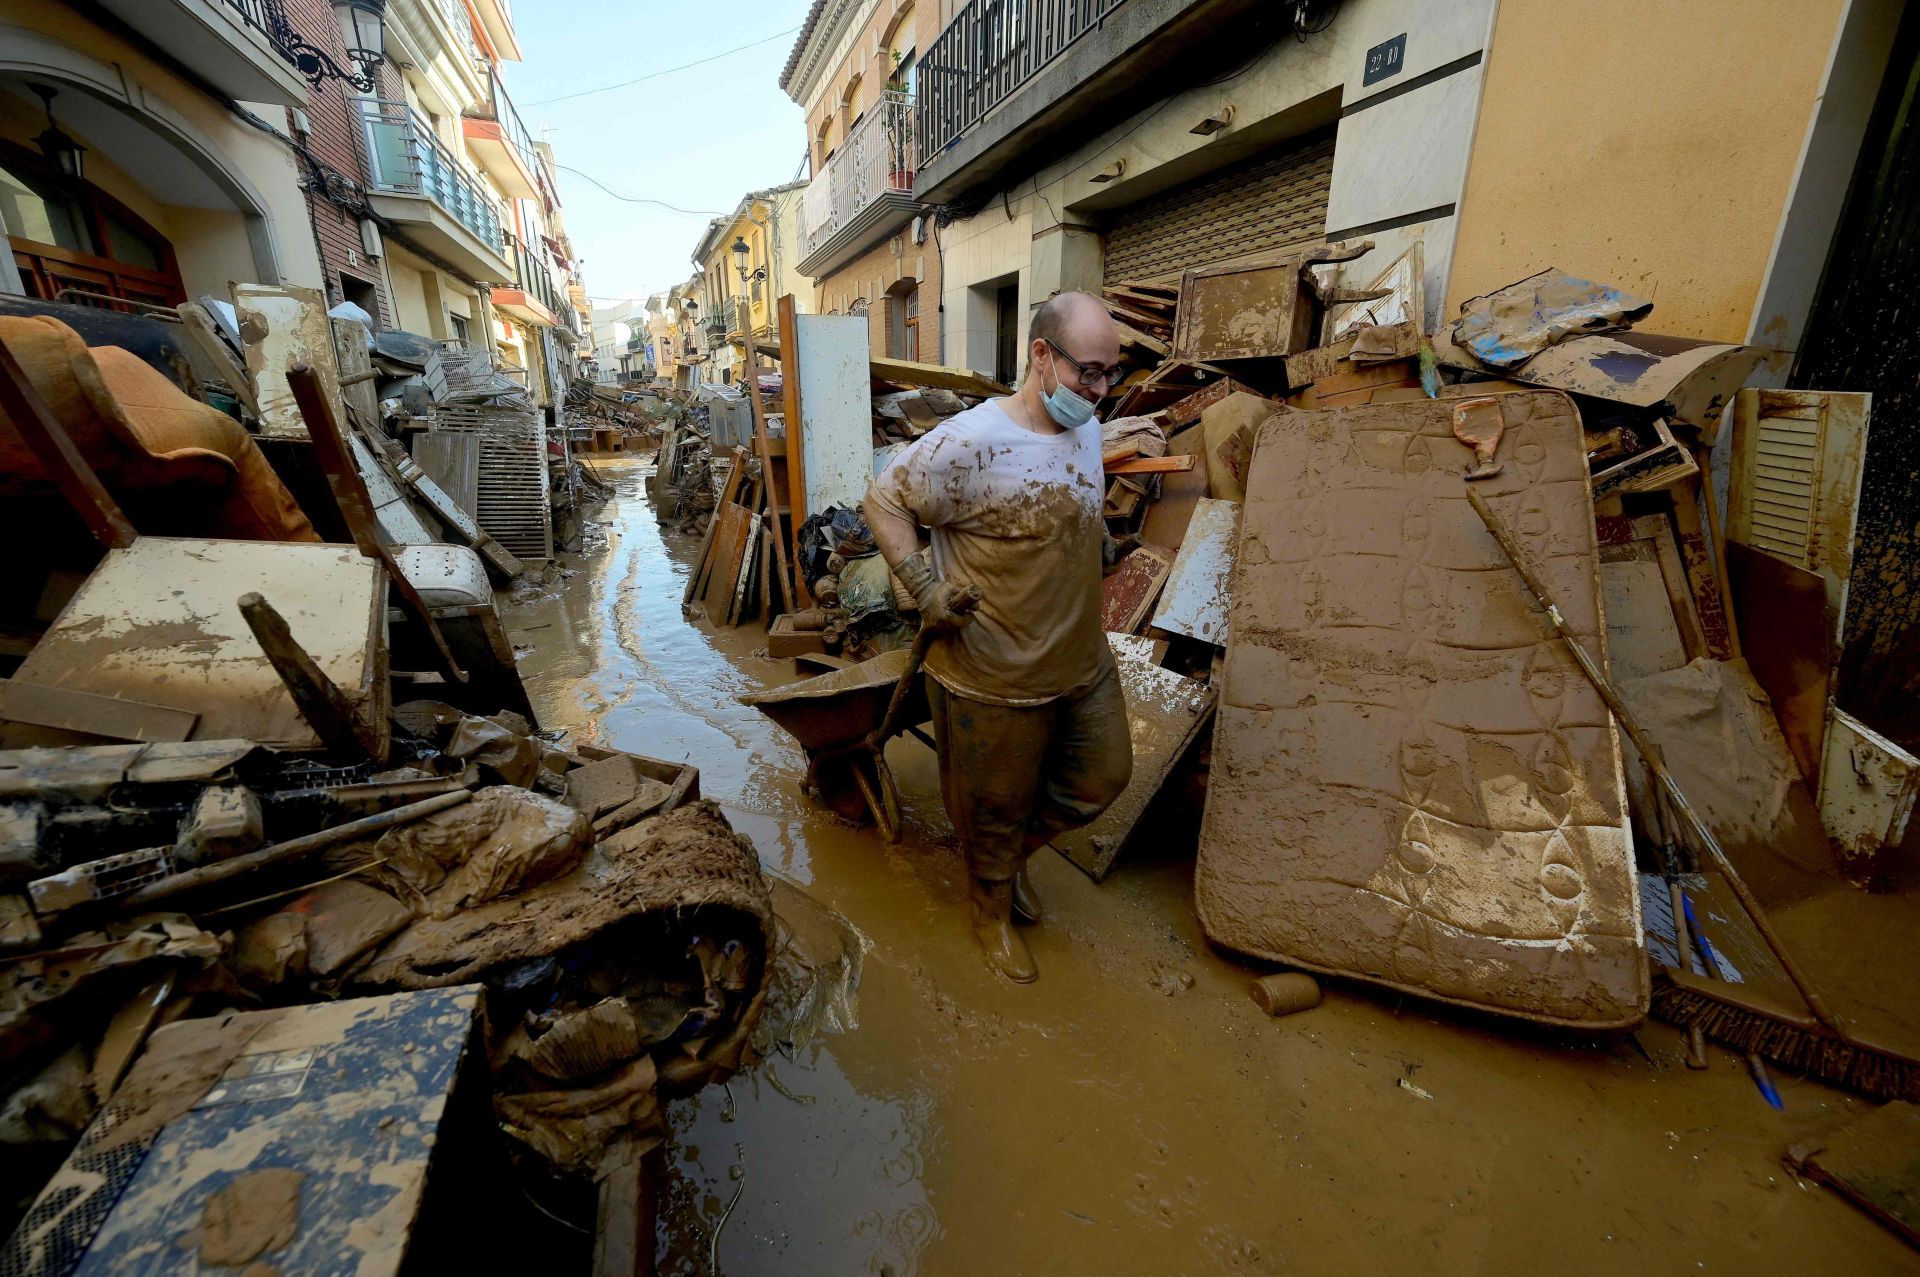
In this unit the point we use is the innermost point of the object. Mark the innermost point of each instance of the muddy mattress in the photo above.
(1412, 783)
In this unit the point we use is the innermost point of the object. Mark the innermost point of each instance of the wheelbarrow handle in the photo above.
(969, 600)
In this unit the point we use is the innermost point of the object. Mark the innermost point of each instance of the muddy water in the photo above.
(1132, 1112)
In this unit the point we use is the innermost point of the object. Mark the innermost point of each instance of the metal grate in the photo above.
(61, 1225)
(1276, 201)
(511, 489)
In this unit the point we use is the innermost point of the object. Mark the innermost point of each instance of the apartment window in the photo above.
(907, 73)
(67, 234)
(458, 325)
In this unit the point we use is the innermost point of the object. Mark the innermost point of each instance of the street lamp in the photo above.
(740, 254)
(61, 151)
(363, 32)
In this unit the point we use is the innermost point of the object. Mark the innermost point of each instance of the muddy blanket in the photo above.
(1412, 783)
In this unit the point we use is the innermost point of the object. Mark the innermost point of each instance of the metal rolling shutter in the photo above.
(1275, 200)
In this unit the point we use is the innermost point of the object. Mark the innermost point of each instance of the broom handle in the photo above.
(1651, 753)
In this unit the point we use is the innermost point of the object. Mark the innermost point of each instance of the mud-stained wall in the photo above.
(1649, 144)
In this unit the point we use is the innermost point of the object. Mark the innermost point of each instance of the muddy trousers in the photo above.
(1014, 776)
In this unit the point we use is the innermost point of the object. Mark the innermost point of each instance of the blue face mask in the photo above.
(1068, 410)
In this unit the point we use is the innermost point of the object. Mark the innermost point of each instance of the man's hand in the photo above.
(945, 607)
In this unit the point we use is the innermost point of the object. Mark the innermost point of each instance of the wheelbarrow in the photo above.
(844, 719)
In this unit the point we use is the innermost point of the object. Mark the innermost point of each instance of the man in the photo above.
(1027, 709)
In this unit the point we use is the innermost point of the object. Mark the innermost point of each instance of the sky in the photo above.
(698, 139)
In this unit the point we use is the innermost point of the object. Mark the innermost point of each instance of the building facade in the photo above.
(173, 191)
(864, 240)
(747, 262)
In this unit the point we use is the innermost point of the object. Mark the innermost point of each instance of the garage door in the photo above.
(1275, 200)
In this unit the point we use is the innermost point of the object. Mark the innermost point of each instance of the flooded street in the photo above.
(1133, 1112)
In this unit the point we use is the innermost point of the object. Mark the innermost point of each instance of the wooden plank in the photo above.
(1873, 1162)
(1787, 634)
(762, 441)
(1703, 578)
(1867, 790)
(796, 439)
(1673, 576)
(113, 717)
(200, 329)
(327, 709)
(838, 444)
(1128, 593)
(1643, 636)
(743, 577)
(1198, 594)
(1150, 465)
(1165, 713)
(1167, 519)
(703, 563)
(908, 373)
(451, 458)
(1185, 412)
(56, 452)
(356, 507)
(728, 548)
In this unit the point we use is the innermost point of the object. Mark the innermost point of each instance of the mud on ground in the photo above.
(1132, 1112)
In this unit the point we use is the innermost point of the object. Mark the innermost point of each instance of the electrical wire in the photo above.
(654, 75)
(642, 199)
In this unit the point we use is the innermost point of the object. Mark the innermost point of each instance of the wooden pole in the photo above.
(762, 445)
(1677, 802)
(339, 724)
(796, 441)
(291, 850)
(356, 507)
(1704, 459)
(56, 451)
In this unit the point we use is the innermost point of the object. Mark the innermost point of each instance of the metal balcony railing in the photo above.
(499, 108)
(536, 281)
(878, 157)
(990, 49)
(405, 157)
(455, 12)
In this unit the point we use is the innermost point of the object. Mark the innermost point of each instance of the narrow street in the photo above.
(1133, 1112)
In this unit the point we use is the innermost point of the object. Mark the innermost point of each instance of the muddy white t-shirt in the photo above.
(1018, 514)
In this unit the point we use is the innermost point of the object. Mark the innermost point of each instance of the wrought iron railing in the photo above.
(990, 49)
(404, 156)
(878, 157)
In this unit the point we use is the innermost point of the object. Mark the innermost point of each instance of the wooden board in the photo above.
(67, 710)
(351, 360)
(1642, 635)
(1150, 465)
(1787, 635)
(1167, 518)
(1655, 529)
(838, 438)
(451, 458)
(1228, 428)
(729, 549)
(279, 327)
(1703, 577)
(1867, 789)
(159, 622)
(1165, 712)
(1198, 593)
(744, 577)
(908, 373)
(1128, 593)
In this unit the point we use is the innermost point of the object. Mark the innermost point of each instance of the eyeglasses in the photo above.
(1090, 375)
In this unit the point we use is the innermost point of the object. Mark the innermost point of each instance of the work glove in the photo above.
(945, 608)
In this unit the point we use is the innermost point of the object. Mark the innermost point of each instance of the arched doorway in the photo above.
(72, 241)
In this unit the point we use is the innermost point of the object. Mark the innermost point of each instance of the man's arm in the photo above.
(944, 606)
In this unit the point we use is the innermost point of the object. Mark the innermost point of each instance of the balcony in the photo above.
(241, 47)
(500, 141)
(532, 298)
(865, 192)
(1012, 84)
(414, 180)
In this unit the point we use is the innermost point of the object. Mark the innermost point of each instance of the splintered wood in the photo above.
(1412, 783)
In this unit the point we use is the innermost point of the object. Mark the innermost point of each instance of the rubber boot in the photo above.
(993, 928)
(1026, 900)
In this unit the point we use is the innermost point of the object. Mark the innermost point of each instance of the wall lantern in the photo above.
(363, 31)
(61, 151)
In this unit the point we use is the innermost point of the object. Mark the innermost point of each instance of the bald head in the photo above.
(1077, 323)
